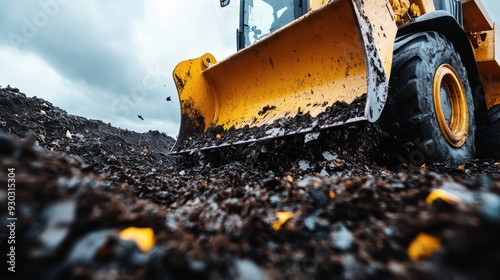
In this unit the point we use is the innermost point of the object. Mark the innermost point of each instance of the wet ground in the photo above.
(96, 202)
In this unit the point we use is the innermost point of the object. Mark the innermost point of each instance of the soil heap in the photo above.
(97, 202)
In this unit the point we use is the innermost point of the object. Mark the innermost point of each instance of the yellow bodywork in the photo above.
(314, 4)
(484, 33)
(335, 53)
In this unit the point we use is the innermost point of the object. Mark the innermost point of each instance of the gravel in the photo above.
(352, 212)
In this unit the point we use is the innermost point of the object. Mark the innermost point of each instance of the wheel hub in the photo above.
(450, 105)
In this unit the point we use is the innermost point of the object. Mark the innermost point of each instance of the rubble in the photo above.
(343, 213)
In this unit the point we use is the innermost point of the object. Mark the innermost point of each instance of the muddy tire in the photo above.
(488, 139)
(430, 101)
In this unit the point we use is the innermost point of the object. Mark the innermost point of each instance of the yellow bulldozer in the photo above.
(305, 66)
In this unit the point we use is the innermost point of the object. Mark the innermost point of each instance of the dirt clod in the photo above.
(351, 212)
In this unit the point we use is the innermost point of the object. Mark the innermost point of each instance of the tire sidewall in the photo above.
(436, 54)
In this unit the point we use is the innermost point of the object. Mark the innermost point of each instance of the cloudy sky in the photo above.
(113, 61)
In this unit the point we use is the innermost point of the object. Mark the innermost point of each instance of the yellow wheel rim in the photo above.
(450, 105)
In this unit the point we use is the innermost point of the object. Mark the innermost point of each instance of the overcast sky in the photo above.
(112, 60)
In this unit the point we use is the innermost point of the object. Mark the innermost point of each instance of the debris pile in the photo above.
(143, 216)
(91, 141)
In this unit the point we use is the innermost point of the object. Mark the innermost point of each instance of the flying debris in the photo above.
(169, 98)
(140, 117)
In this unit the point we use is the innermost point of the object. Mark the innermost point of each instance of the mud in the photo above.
(353, 211)
(301, 123)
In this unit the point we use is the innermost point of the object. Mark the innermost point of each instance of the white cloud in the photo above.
(28, 69)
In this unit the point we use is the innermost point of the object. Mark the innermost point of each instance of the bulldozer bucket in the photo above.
(300, 79)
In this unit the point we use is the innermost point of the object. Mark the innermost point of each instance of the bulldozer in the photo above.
(430, 67)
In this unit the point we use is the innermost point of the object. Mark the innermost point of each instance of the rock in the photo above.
(342, 238)
(247, 270)
(59, 218)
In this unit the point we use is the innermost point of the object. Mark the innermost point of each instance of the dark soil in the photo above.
(354, 210)
(193, 136)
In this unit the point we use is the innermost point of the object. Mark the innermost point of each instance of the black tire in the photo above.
(428, 135)
(488, 138)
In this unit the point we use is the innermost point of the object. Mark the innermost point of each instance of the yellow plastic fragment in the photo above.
(144, 152)
(217, 136)
(316, 184)
(289, 179)
(338, 160)
(423, 246)
(497, 163)
(283, 217)
(331, 194)
(444, 195)
(423, 166)
(461, 167)
(43, 113)
(143, 237)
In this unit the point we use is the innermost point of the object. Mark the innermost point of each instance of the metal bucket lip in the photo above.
(338, 114)
(374, 85)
